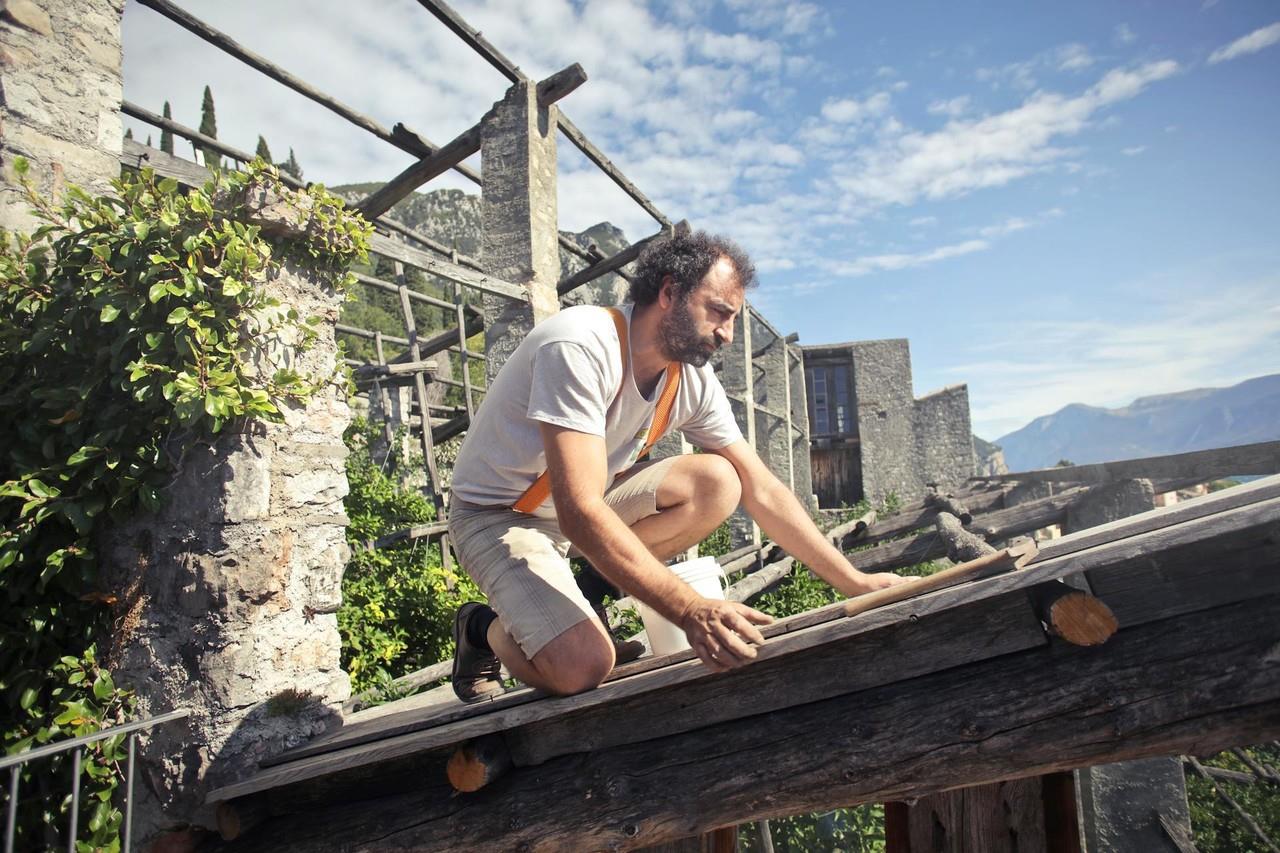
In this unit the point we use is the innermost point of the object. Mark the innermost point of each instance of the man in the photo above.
(577, 400)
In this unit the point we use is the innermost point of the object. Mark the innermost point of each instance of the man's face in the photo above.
(694, 328)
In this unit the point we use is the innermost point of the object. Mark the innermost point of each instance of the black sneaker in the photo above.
(476, 672)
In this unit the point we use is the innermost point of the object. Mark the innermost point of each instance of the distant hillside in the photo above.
(1199, 419)
(453, 218)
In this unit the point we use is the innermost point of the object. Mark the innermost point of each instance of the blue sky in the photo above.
(1054, 203)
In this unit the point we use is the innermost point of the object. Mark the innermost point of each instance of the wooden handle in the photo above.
(1007, 559)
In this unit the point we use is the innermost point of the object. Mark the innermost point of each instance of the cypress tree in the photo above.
(209, 127)
(263, 151)
(291, 166)
(148, 140)
(166, 137)
(128, 133)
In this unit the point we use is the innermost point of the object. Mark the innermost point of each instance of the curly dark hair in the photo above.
(686, 258)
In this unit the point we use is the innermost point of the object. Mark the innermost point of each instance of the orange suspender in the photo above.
(541, 487)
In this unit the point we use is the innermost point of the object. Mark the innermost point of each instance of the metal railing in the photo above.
(15, 763)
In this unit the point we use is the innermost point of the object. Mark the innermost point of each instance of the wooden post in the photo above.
(749, 395)
(463, 353)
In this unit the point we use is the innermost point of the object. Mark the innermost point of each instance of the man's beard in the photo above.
(680, 338)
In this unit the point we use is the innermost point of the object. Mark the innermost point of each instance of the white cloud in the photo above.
(889, 262)
(1218, 337)
(923, 221)
(1245, 45)
(954, 107)
(1073, 57)
(1133, 150)
(791, 18)
(849, 110)
(1125, 35)
(987, 152)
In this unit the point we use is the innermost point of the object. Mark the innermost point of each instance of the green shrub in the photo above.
(398, 601)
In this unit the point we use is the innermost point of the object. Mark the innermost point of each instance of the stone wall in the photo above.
(61, 86)
(885, 411)
(897, 444)
(230, 591)
(944, 437)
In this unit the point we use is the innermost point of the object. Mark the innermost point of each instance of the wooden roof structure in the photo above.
(954, 687)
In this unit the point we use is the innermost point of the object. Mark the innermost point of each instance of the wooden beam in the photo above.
(135, 111)
(395, 250)
(459, 148)
(1250, 532)
(596, 156)
(220, 40)
(962, 545)
(1027, 517)
(1244, 460)
(473, 38)
(1186, 685)
(606, 266)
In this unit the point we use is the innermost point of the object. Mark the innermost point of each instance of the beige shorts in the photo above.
(521, 562)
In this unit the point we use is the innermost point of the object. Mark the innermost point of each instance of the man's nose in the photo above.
(725, 333)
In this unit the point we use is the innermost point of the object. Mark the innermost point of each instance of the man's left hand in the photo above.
(860, 583)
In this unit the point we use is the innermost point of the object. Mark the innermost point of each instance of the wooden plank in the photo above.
(220, 40)
(395, 250)
(1196, 684)
(1246, 459)
(899, 553)
(1206, 505)
(404, 734)
(916, 515)
(1027, 517)
(606, 266)
(898, 652)
(1241, 565)
(132, 109)
(992, 563)
(135, 155)
(407, 734)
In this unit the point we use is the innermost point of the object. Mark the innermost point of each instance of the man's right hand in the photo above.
(723, 633)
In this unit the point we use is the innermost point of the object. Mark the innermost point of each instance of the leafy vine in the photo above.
(136, 325)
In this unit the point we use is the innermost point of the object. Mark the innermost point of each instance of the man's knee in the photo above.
(579, 659)
(718, 485)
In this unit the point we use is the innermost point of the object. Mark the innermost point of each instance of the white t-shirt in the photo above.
(568, 372)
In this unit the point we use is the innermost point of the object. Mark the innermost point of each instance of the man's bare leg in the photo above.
(699, 492)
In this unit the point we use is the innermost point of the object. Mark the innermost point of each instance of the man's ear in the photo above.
(666, 292)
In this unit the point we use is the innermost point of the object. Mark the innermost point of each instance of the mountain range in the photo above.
(1198, 419)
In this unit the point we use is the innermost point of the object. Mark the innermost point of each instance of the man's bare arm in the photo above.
(720, 632)
(786, 522)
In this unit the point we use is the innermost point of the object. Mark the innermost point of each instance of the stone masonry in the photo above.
(944, 436)
(61, 86)
(230, 591)
(902, 444)
(520, 242)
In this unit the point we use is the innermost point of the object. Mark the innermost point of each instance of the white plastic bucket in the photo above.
(706, 577)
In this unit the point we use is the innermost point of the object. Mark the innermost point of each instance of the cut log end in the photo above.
(237, 817)
(1079, 618)
(477, 763)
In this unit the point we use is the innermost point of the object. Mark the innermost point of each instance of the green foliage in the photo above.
(166, 136)
(83, 700)
(263, 152)
(291, 166)
(209, 127)
(1217, 828)
(135, 325)
(855, 830)
(397, 602)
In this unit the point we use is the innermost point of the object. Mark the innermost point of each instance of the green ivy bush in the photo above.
(136, 325)
(398, 602)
